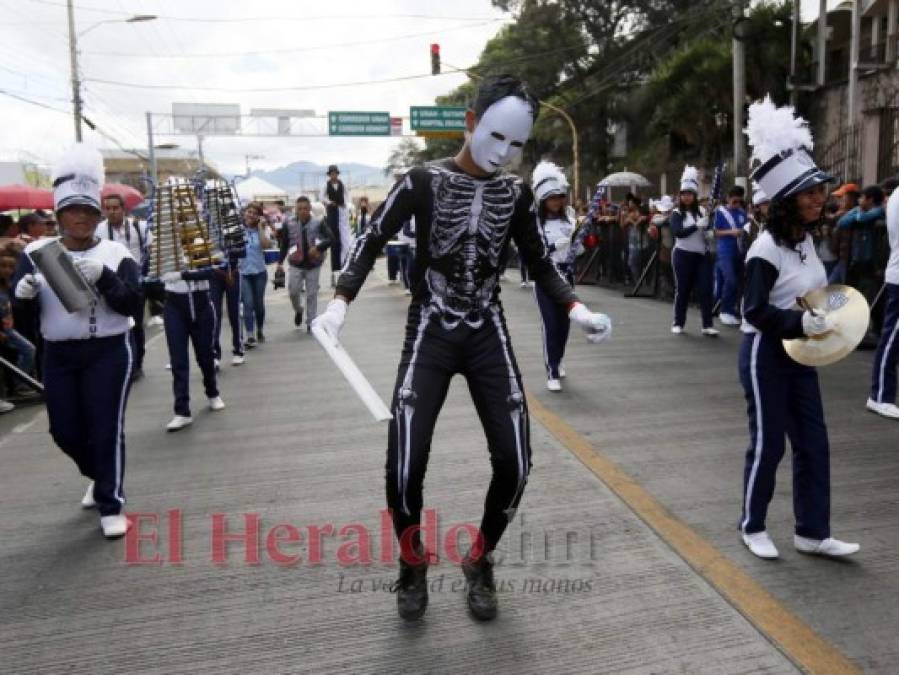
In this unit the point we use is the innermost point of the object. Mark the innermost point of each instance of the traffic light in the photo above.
(435, 59)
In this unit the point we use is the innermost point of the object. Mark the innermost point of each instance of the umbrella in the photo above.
(624, 179)
(24, 197)
(132, 196)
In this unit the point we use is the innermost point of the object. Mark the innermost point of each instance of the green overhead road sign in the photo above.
(345, 123)
(431, 119)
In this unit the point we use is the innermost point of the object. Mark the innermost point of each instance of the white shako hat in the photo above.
(782, 147)
(758, 195)
(689, 180)
(548, 180)
(77, 178)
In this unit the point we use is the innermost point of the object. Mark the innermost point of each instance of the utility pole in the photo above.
(822, 42)
(73, 63)
(794, 48)
(151, 148)
(739, 77)
(852, 93)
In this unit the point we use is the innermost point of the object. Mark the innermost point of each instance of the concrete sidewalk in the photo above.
(295, 447)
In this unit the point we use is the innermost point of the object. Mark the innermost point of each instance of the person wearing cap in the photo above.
(335, 197)
(88, 356)
(883, 373)
(550, 195)
(691, 259)
(783, 396)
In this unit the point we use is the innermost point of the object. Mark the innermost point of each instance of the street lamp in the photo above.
(73, 55)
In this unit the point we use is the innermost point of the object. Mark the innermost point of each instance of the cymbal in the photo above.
(850, 311)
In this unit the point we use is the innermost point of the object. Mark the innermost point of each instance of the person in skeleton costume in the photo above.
(335, 197)
(550, 193)
(88, 355)
(466, 211)
(783, 396)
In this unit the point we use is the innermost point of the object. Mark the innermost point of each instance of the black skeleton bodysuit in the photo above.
(456, 326)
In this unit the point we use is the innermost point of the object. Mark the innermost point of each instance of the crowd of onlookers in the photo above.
(851, 242)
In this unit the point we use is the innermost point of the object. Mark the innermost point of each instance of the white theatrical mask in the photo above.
(501, 133)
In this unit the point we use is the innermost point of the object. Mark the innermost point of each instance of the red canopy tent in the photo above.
(24, 197)
(132, 196)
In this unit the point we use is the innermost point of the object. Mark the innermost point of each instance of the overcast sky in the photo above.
(333, 42)
(282, 45)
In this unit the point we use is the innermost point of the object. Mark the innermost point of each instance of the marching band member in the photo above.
(690, 259)
(190, 317)
(883, 376)
(783, 396)
(466, 211)
(550, 194)
(88, 357)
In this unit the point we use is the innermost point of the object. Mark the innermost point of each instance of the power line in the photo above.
(293, 50)
(321, 17)
(25, 99)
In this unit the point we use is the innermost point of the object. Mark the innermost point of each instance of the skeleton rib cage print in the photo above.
(463, 228)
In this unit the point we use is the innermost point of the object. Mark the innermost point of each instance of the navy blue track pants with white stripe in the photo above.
(556, 325)
(218, 289)
(883, 376)
(432, 354)
(86, 385)
(692, 271)
(784, 400)
(189, 317)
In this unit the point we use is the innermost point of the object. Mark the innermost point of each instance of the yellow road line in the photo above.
(788, 632)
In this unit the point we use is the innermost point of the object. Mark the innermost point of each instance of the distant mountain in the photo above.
(300, 176)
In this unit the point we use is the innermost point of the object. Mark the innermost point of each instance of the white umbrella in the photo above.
(624, 179)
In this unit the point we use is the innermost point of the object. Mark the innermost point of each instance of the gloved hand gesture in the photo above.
(332, 319)
(171, 277)
(815, 323)
(596, 326)
(28, 287)
(90, 269)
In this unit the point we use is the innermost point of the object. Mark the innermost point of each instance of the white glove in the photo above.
(28, 287)
(702, 223)
(332, 319)
(598, 327)
(90, 269)
(562, 244)
(817, 324)
(171, 277)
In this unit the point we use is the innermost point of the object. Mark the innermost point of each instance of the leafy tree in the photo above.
(404, 155)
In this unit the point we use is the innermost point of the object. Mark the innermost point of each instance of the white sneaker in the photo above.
(87, 501)
(553, 385)
(711, 332)
(831, 547)
(524, 284)
(561, 371)
(6, 406)
(728, 319)
(408, 291)
(761, 545)
(179, 422)
(216, 403)
(217, 363)
(155, 321)
(114, 526)
(168, 366)
(883, 409)
(237, 360)
(677, 330)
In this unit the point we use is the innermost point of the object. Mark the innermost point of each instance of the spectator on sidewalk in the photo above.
(841, 242)
(10, 339)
